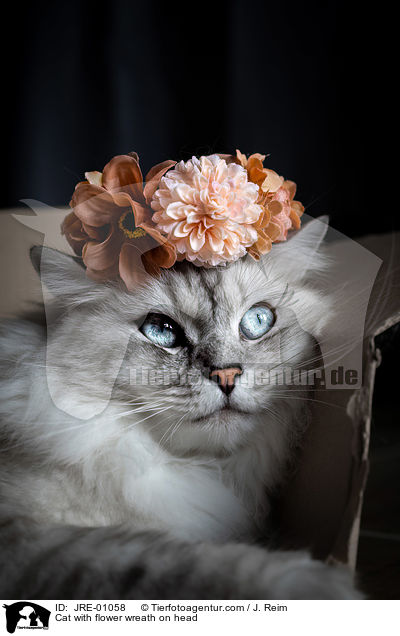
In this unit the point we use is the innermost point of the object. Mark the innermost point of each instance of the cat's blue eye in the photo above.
(256, 322)
(162, 330)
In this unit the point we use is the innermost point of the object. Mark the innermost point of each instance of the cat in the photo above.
(164, 492)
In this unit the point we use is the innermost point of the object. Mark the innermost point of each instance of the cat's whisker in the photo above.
(142, 409)
(178, 424)
(131, 425)
(302, 398)
(166, 433)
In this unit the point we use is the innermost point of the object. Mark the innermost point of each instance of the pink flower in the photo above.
(280, 212)
(282, 218)
(207, 208)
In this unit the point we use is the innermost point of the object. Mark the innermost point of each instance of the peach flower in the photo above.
(111, 226)
(280, 212)
(207, 208)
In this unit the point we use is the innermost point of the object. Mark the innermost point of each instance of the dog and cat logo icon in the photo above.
(26, 615)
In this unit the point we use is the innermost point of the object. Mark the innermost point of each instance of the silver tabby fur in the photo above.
(163, 492)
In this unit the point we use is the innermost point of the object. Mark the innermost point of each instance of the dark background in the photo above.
(307, 83)
(294, 80)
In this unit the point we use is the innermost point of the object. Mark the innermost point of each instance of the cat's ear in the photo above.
(63, 276)
(302, 251)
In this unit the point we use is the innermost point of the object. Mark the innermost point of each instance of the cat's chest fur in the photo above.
(130, 478)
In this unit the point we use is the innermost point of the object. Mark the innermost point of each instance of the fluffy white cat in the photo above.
(159, 492)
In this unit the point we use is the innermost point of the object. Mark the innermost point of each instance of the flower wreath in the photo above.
(209, 210)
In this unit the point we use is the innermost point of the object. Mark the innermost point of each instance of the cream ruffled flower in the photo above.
(207, 208)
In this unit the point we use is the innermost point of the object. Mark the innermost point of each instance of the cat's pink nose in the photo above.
(226, 378)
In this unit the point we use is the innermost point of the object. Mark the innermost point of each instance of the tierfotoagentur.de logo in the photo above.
(26, 615)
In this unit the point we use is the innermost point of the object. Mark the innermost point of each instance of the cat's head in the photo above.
(193, 355)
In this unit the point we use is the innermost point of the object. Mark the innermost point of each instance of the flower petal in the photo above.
(254, 161)
(296, 223)
(264, 219)
(261, 246)
(291, 187)
(217, 245)
(242, 159)
(142, 214)
(102, 256)
(74, 232)
(94, 205)
(257, 156)
(228, 158)
(275, 207)
(104, 275)
(123, 173)
(273, 230)
(131, 267)
(161, 256)
(297, 207)
(196, 240)
(95, 177)
(272, 181)
(153, 178)
(257, 176)
(264, 243)
(98, 234)
(134, 155)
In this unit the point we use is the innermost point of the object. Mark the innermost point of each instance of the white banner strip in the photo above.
(169, 617)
